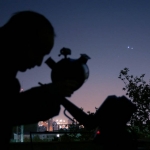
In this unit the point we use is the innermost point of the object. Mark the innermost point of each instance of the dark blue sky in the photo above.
(102, 29)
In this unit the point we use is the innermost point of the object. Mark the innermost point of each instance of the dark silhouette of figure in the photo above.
(110, 119)
(24, 40)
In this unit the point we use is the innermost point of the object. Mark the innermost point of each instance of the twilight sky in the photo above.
(115, 34)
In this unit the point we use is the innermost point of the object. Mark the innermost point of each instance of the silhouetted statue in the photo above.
(24, 40)
(110, 119)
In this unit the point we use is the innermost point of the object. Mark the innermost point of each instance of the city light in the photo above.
(57, 135)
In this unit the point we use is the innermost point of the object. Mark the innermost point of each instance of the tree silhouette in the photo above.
(139, 93)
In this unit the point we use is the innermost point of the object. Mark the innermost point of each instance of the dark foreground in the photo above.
(142, 145)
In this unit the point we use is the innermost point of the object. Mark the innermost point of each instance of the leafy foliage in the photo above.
(139, 93)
